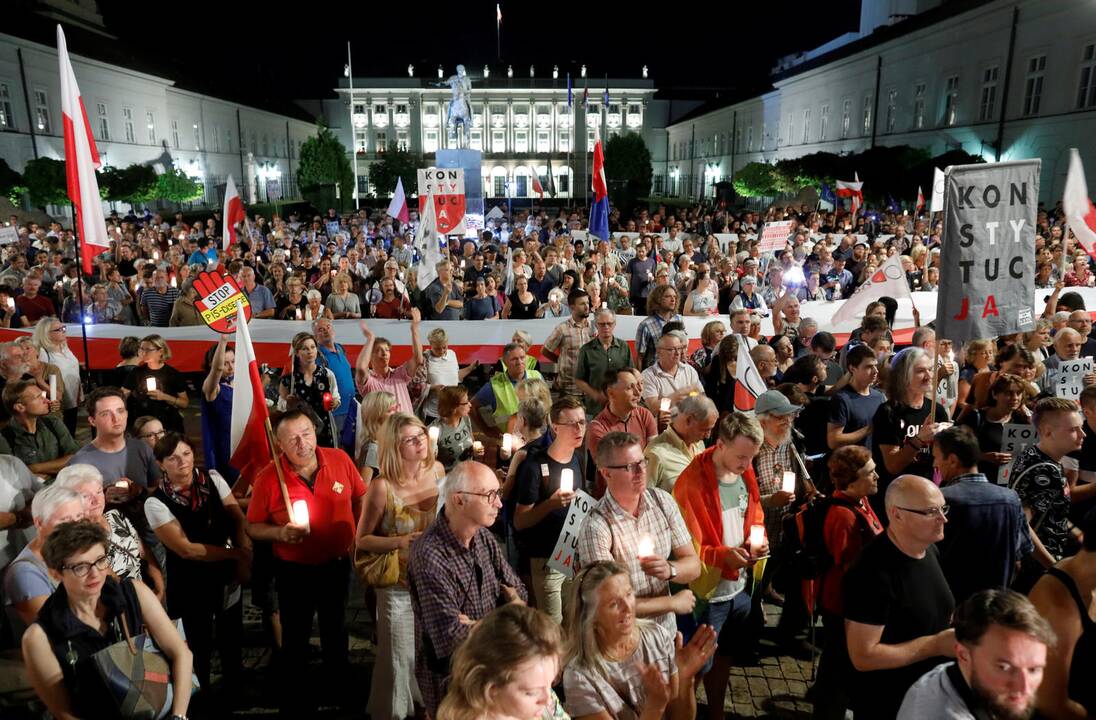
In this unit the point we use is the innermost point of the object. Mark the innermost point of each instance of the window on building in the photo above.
(216, 139)
(403, 141)
(103, 122)
(522, 182)
(635, 109)
(498, 141)
(476, 140)
(499, 182)
(198, 137)
(430, 141)
(749, 139)
(228, 141)
(363, 185)
(266, 146)
(762, 138)
(401, 109)
(823, 121)
(7, 117)
(359, 109)
(41, 111)
(564, 141)
(951, 100)
(175, 134)
(127, 125)
(987, 102)
(806, 125)
(1033, 84)
(919, 106)
(1086, 89)
(521, 141)
(892, 110)
(150, 126)
(789, 129)
(544, 141)
(361, 141)
(846, 118)
(865, 128)
(379, 109)
(563, 183)
(381, 141)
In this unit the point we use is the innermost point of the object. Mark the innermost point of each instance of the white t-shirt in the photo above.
(733, 514)
(158, 514)
(439, 371)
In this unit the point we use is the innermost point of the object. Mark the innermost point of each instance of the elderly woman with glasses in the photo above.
(90, 611)
(399, 505)
(156, 388)
(619, 666)
(50, 340)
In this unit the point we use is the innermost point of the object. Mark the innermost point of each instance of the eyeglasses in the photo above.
(491, 495)
(153, 434)
(82, 569)
(634, 468)
(929, 512)
(576, 424)
(148, 349)
(416, 439)
(59, 329)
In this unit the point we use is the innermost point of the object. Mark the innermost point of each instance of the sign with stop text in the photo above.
(563, 554)
(450, 204)
(987, 257)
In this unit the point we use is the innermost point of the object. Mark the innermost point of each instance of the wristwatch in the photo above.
(673, 570)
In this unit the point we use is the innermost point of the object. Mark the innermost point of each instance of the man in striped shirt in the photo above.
(158, 301)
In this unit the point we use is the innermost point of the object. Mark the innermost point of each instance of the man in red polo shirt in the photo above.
(33, 306)
(312, 562)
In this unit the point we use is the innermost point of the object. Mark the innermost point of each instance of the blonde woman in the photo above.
(507, 666)
(399, 504)
(530, 388)
(49, 339)
(374, 409)
(343, 304)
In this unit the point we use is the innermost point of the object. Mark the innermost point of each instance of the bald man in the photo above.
(898, 605)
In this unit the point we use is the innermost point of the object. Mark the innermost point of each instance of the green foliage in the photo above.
(395, 164)
(176, 186)
(134, 184)
(756, 179)
(11, 182)
(628, 169)
(45, 180)
(324, 162)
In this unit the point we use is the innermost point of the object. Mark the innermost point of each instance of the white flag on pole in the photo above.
(888, 281)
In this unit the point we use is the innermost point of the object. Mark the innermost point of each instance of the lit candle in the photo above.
(788, 485)
(300, 513)
(11, 302)
(664, 405)
(150, 384)
(507, 443)
(567, 480)
(645, 547)
(53, 388)
(155, 255)
(433, 431)
(121, 484)
(298, 313)
(757, 536)
(477, 447)
(174, 283)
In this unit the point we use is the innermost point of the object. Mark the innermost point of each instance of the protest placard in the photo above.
(8, 235)
(563, 554)
(1070, 378)
(1014, 438)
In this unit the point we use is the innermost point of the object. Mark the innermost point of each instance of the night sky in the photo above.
(298, 50)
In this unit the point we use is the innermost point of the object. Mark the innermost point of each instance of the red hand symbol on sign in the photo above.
(217, 299)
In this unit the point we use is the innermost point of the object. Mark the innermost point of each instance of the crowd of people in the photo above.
(875, 486)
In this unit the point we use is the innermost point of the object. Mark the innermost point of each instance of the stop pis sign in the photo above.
(218, 301)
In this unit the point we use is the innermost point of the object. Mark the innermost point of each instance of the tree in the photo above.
(395, 164)
(134, 184)
(756, 179)
(46, 181)
(323, 162)
(11, 183)
(177, 187)
(627, 169)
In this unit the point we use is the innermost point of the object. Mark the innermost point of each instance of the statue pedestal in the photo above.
(471, 161)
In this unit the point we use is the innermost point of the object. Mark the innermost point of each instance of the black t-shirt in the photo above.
(910, 598)
(169, 381)
(1042, 488)
(853, 411)
(891, 425)
(532, 488)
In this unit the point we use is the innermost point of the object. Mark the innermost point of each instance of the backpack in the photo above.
(804, 536)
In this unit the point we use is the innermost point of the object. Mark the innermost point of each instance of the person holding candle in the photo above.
(312, 383)
(454, 440)
(34, 435)
(156, 388)
(640, 528)
(312, 564)
(51, 342)
(542, 503)
(683, 439)
(291, 306)
(721, 504)
(399, 505)
(670, 378)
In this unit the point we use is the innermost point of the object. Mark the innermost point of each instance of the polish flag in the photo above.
(232, 215)
(81, 161)
(249, 449)
(1080, 212)
(398, 207)
(748, 381)
(537, 187)
(920, 201)
(888, 281)
(854, 190)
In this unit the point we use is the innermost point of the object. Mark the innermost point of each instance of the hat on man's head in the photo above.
(774, 402)
(749, 280)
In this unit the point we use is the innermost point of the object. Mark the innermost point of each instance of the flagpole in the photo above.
(278, 469)
(80, 289)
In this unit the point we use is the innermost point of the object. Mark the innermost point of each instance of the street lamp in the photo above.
(510, 71)
(583, 71)
(410, 71)
(531, 71)
(644, 72)
(486, 72)
(555, 72)
(441, 73)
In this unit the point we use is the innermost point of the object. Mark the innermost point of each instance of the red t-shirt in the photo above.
(35, 308)
(330, 506)
(845, 535)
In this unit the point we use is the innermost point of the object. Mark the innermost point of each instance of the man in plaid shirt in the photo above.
(457, 574)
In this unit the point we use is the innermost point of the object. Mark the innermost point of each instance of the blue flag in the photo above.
(827, 195)
(892, 204)
(605, 96)
(570, 92)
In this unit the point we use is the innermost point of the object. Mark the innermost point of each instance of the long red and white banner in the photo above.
(482, 340)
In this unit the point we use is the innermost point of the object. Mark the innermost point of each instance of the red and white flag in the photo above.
(81, 161)
(852, 189)
(233, 214)
(398, 207)
(249, 449)
(748, 381)
(920, 201)
(1080, 212)
(537, 187)
(888, 281)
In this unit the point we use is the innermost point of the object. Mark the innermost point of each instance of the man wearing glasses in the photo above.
(671, 378)
(542, 501)
(898, 606)
(598, 360)
(642, 529)
(457, 574)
